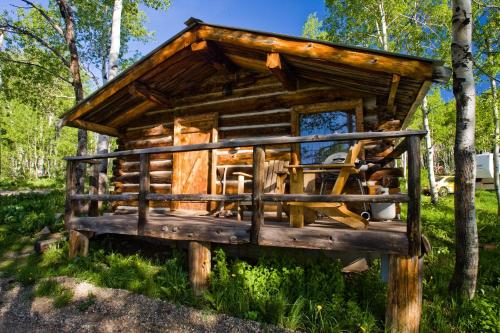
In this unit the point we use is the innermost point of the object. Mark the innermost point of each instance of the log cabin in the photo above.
(233, 136)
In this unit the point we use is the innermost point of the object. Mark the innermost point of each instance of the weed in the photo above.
(87, 303)
(51, 288)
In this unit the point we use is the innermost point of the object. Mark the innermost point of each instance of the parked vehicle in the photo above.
(444, 184)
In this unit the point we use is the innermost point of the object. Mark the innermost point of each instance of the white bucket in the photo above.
(383, 211)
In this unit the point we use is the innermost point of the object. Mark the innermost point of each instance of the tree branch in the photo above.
(46, 16)
(482, 70)
(27, 63)
(23, 31)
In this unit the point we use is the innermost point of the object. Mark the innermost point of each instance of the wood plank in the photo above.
(424, 88)
(144, 184)
(105, 197)
(404, 294)
(369, 60)
(259, 158)
(277, 65)
(199, 263)
(214, 56)
(70, 205)
(78, 244)
(413, 219)
(349, 104)
(131, 114)
(149, 62)
(394, 89)
(317, 198)
(94, 190)
(98, 128)
(334, 239)
(142, 90)
(255, 142)
(297, 188)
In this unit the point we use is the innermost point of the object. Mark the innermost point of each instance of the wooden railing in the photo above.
(410, 143)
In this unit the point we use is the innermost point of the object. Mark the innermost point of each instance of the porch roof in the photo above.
(166, 78)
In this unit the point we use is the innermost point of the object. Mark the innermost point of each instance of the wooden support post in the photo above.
(259, 158)
(70, 207)
(199, 266)
(78, 244)
(144, 184)
(297, 187)
(413, 221)
(94, 189)
(404, 294)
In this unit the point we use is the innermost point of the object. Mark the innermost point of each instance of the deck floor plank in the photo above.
(383, 237)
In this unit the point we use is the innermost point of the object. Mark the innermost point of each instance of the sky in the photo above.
(286, 17)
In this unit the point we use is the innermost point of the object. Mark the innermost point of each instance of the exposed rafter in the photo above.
(214, 56)
(103, 129)
(141, 90)
(394, 89)
(277, 65)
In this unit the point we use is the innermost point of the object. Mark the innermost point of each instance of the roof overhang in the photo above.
(221, 46)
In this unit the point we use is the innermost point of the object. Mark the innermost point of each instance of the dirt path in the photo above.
(111, 310)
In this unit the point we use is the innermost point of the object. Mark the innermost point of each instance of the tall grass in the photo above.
(313, 296)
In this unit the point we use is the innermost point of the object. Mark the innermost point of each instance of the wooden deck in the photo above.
(383, 237)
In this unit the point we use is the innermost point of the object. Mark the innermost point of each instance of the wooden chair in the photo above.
(274, 175)
(335, 210)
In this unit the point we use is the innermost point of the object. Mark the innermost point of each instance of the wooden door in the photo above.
(192, 170)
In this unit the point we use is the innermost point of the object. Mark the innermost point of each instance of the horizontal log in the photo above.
(335, 198)
(104, 197)
(198, 197)
(157, 165)
(325, 238)
(256, 142)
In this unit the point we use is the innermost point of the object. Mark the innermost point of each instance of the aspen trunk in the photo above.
(69, 35)
(466, 246)
(114, 52)
(429, 152)
(496, 139)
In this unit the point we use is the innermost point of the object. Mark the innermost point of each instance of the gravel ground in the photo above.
(112, 310)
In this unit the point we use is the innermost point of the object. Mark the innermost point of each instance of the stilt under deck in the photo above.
(382, 237)
(400, 240)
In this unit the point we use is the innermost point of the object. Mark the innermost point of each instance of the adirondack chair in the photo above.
(335, 210)
(275, 175)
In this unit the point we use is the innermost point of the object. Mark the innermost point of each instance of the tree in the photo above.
(418, 28)
(466, 245)
(487, 63)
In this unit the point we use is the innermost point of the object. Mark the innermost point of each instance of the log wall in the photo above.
(255, 106)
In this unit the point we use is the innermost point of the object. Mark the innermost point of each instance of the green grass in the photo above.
(51, 288)
(313, 296)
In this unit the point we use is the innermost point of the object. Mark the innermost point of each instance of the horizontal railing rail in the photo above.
(254, 142)
(410, 143)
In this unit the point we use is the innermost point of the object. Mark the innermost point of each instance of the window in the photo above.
(324, 123)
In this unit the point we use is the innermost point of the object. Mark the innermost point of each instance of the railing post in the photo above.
(259, 157)
(94, 189)
(144, 185)
(70, 206)
(413, 220)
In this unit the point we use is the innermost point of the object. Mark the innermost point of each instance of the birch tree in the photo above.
(114, 52)
(466, 239)
(416, 27)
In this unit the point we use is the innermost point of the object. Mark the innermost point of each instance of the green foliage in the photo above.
(313, 296)
(87, 303)
(28, 213)
(51, 288)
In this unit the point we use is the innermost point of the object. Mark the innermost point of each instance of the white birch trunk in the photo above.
(383, 24)
(429, 152)
(114, 52)
(496, 139)
(466, 245)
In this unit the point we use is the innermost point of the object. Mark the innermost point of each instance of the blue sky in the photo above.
(286, 17)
